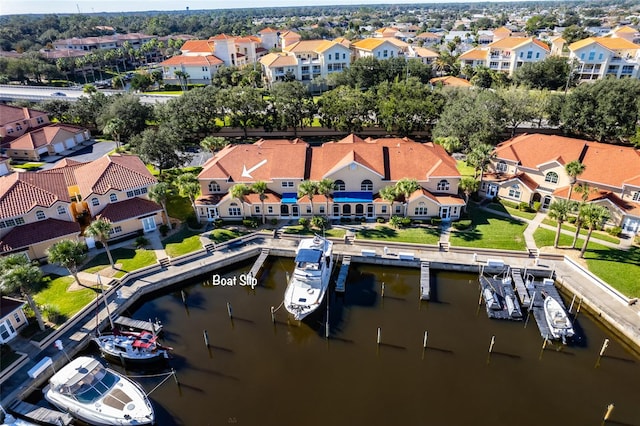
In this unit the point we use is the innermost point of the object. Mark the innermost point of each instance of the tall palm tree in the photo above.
(574, 169)
(560, 210)
(160, 193)
(100, 230)
(468, 185)
(69, 254)
(594, 216)
(260, 188)
(479, 157)
(584, 189)
(213, 143)
(238, 192)
(325, 188)
(189, 187)
(19, 274)
(115, 127)
(310, 189)
(389, 194)
(406, 187)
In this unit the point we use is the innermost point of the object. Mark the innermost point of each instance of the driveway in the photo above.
(88, 153)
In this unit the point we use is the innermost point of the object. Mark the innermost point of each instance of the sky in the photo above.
(14, 7)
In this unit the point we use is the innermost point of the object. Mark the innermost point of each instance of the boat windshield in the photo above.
(93, 386)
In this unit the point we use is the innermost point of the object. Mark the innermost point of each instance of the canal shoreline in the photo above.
(606, 305)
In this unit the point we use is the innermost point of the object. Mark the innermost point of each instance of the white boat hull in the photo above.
(557, 319)
(120, 347)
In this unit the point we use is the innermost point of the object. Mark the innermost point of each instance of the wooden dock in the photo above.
(425, 281)
(39, 414)
(342, 275)
(499, 299)
(538, 292)
(134, 324)
(521, 289)
(257, 266)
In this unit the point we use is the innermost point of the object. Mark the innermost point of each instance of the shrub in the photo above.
(141, 242)
(523, 206)
(381, 219)
(395, 221)
(536, 206)
(192, 222)
(571, 219)
(164, 230)
(218, 223)
(251, 222)
(99, 245)
(52, 313)
(436, 221)
(274, 221)
(405, 222)
(461, 225)
(615, 231)
(319, 222)
(304, 222)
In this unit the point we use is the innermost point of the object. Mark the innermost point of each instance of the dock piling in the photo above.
(605, 344)
(229, 310)
(424, 341)
(175, 376)
(379, 338)
(544, 346)
(610, 408)
(206, 338)
(184, 297)
(382, 292)
(578, 309)
(273, 315)
(573, 300)
(493, 341)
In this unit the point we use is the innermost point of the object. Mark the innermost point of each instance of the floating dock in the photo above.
(499, 298)
(40, 415)
(425, 278)
(133, 324)
(257, 266)
(342, 275)
(538, 290)
(521, 289)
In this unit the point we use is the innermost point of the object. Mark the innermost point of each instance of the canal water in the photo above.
(256, 372)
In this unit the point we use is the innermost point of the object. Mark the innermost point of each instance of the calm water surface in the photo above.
(258, 373)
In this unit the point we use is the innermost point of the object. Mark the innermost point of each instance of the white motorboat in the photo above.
(96, 395)
(135, 347)
(558, 321)
(310, 280)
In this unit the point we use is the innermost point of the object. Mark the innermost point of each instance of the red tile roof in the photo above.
(66, 168)
(129, 209)
(206, 60)
(22, 192)
(10, 114)
(38, 232)
(45, 136)
(119, 172)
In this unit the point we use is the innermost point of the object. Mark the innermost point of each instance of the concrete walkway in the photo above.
(531, 228)
(445, 231)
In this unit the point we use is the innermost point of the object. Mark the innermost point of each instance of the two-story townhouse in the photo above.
(115, 188)
(530, 168)
(628, 33)
(278, 66)
(110, 42)
(429, 38)
(35, 212)
(422, 54)
(16, 121)
(198, 69)
(288, 38)
(385, 32)
(359, 168)
(380, 48)
(51, 139)
(269, 38)
(506, 54)
(599, 57)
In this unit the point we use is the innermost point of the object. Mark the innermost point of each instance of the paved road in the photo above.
(44, 93)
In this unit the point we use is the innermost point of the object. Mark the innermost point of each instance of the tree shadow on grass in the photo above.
(631, 256)
(380, 232)
(470, 235)
(118, 255)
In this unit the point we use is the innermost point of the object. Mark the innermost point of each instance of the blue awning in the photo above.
(289, 197)
(353, 197)
(309, 256)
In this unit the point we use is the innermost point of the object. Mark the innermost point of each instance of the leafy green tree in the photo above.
(310, 189)
(293, 105)
(449, 143)
(479, 158)
(86, 110)
(130, 110)
(160, 193)
(560, 210)
(260, 188)
(594, 216)
(584, 190)
(100, 229)
(574, 33)
(468, 186)
(17, 273)
(518, 106)
(189, 187)
(244, 106)
(213, 143)
(69, 254)
(553, 73)
(141, 82)
(346, 109)
(114, 128)
(160, 146)
(238, 191)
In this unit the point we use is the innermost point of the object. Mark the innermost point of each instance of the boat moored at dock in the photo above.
(137, 347)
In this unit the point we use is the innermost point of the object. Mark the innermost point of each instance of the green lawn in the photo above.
(619, 268)
(182, 242)
(179, 207)
(409, 235)
(222, 235)
(129, 259)
(596, 234)
(464, 169)
(299, 230)
(510, 210)
(56, 294)
(29, 166)
(490, 231)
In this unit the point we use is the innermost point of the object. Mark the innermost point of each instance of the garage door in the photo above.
(58, 147)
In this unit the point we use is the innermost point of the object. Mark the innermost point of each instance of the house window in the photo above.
(344, 56)
(270, 209)
(287, 184)
(40, 215)
(39, 120)
(592, 56)
(18, 127)
(136, 192)
(115, 230)
(537, 55)
(366, 185)
(514, 192)
(398, 209)
(339, 185)
(256, 209)
(336, 210)
(214, 187)
(321, 209)
(61, 210)
(551, 177)
(522, 54)
(329, 56)
(501, 166)
(443, 185)
(636, 196)
(421, 209)
(113, 198)
(234, 210)
(308, 209)
(95, 202)
(383, 209)
(17, 318)
(385, 53)
(529, 54)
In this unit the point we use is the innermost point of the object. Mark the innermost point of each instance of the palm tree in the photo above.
(19, 274)
(583, 189)
(468, 185)
(389, 194)
(69, 254)
(238, 192)
(594, 216)
(310, 189)
(160, 193)
(479, 158)
(406, 187)
(325, 188)
(260, 188)
(213, 143)
(115, 127)
(100, 230)
(189, 187)
(574, 169)
(560, 210)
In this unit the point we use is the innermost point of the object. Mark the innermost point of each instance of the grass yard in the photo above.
(56, 294)
(510, 210)
(179, 207)
(299, 230)
(182, 242)
(464, 169)
(409, 235)
(129, 259)
(596, 234)
(619, 268)
(490, 231)
(222, 235)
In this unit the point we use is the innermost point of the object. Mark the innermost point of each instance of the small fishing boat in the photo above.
(558, 321)
(96, 395)
(140, 346)
(310, 280)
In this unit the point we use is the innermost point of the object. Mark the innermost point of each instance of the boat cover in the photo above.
(309, 256)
